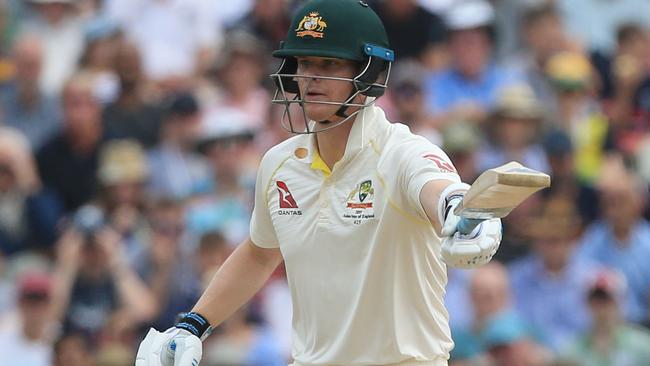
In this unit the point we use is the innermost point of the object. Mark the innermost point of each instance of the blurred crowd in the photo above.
(131, 131)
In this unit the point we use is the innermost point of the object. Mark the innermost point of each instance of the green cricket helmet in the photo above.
(344, 29)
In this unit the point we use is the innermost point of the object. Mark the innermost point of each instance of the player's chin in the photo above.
(320, 112)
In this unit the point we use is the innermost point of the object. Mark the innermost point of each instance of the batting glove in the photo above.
(466, 250)
(177, 346)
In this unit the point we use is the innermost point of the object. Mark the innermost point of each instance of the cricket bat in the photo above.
(496, 192)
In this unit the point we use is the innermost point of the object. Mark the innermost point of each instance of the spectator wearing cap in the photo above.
(135, 113)
(24, 106)
(59, 26)
(579, 114)
(611, 340)
(468, 88)
(550, 284)
(176, 170)
(513, 130)
(461, 141)
(123, 173)
(29, 214)
(410, 27)
(621, 239)
(29, 344)
(566, 185)
(226, 142)
(67, 163)
(510, 341)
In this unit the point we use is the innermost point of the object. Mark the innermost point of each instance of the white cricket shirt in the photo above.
(362, 259)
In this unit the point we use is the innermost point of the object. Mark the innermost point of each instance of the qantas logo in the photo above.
(441, 163)
(286, 199)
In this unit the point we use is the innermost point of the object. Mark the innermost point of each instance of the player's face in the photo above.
(324, 90)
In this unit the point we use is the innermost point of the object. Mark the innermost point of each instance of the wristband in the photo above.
(194, 323)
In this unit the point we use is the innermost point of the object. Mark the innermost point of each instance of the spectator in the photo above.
(102, 39)
(566, 185)
(240, 71)
(60, 28)
(489, 293)
(28, 213)
(621, 239)
(407, 97)
(510, 342)
(597, 26)
(176, 171)
(543, 35)
(227, 144)
(410, 27)
(580, 115)
(134, 114)
(461, 140)
(167, 264)
(122, 173)
(67, 162)
(468, 88)
(93, 279)
(611, 340)
(628, 76)
(549, 285)
(72, 349)
(29, 345)
(513, 131)
(24, 106)
(268, 20)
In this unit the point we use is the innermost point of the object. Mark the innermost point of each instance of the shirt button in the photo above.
(324, 204)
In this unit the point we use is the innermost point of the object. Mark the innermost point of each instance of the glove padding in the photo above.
(174, 347)
(471, 250)
(475, 249)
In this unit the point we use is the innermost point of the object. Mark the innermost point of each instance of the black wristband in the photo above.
(194, 323)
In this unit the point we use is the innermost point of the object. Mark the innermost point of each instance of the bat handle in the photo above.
(465, 225)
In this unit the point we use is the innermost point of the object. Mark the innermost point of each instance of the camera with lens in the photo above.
(88, 220)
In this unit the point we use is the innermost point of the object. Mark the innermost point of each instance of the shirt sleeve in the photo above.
(423, 162)
(262, 231)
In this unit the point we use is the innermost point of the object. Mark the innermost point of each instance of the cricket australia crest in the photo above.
(359, 203)
(311, 25)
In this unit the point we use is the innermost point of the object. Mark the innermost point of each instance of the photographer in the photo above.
(93, 279)
(28, 215)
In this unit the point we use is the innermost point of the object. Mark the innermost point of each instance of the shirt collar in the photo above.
(367, 125)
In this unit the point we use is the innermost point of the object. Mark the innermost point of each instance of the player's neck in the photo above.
(331, 143)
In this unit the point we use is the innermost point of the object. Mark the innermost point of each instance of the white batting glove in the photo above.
(174, 347)
(466, 250)
(474, 249)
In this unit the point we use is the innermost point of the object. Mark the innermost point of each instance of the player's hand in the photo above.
(174, 347)
(473, 249)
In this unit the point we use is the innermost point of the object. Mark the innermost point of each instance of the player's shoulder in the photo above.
(279, 153)
(401, 141)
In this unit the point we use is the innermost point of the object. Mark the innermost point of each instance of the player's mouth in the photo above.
(315, 95)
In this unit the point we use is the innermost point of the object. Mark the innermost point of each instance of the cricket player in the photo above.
(360, 210)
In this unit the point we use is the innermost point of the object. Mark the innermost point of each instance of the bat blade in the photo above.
(498, 191)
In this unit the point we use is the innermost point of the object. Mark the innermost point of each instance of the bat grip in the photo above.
(465, 225)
